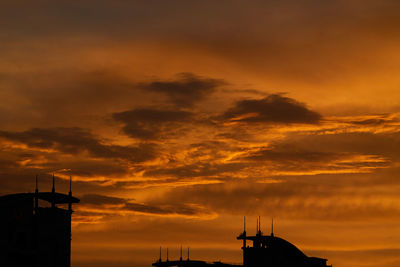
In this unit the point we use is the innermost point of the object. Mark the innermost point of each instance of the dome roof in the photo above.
(279, 244)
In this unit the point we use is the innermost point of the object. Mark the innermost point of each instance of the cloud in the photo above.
(274, 108)
(271, 154)
(121, 205)
(321, 197)
(367, 143)
(149, 124)
(313, 152)
(177, 209)
(186, 90)
(207, 170)
(7, 164)
(77, 140)
(88, 169)
(96, 199)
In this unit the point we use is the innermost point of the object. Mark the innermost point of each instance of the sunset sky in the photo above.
(177, 118)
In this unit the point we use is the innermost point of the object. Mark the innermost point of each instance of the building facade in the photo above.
(35, 229)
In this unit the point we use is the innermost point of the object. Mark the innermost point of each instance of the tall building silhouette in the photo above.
(35, 229)
(266, 251)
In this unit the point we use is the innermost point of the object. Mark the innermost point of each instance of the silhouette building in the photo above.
(266, 251)
(35, 228)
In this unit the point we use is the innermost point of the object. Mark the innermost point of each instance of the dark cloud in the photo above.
(207, 170)
(148, 124)
(371, 122)
(272, 109)
(293, 160)
(186, 90)
(92, 168)
(182, 209)
(123, 204)
(45, 92)
(97, 199)
(381, 120)
(76, 140)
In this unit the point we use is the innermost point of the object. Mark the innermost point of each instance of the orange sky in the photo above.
(177, 118)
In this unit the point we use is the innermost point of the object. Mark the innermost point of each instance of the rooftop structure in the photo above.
(266, 251)
(272, 251)
(35, 230)
(189, 263)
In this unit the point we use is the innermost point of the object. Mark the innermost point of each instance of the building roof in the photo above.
(51, 197)
(280, 244)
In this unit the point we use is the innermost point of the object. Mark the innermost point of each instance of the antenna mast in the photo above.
(36, 196)
(272, 227)
(36, 188)
(257, 226)
(70, 194)
(53, 190)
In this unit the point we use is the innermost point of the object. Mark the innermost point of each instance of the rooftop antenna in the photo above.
(167, 254)
(257, 226)
(244, 232)
(70, 186)
(272, 227)
(181, 254)
(37, 188)
(160, 255)
(53, 190)
(188, 254)
(70, 194)
(36, 195)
